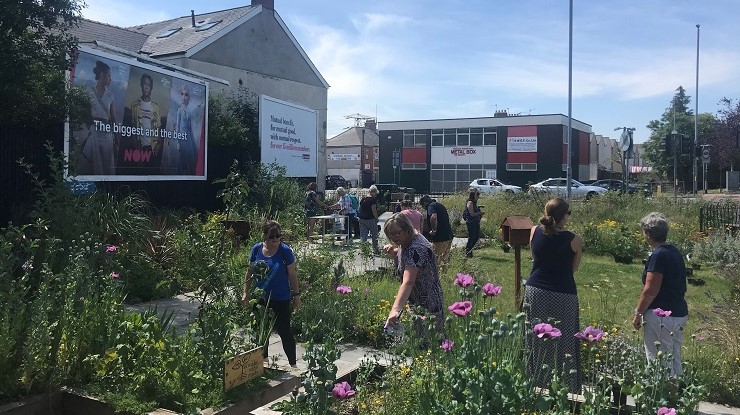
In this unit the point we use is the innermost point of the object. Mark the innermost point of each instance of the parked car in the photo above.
(494, 186)
(616, 185)
(335, 180)
(559, 187)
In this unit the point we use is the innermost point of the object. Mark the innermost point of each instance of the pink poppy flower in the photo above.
(115, 275)
(491, 290)
(463, 280)
(111, 249)
(344, 289)
(666, 411)
(342, 390)
(461, 308)
(661, 313)
(447, 344)
(545, 331)
(590, 334)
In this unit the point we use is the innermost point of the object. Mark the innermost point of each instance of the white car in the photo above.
(558, 187)
(494, 186)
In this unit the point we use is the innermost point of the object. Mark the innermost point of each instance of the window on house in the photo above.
(207, 25)
(169, 33)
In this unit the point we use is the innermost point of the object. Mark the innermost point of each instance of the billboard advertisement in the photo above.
(146, 123)
(464, 155)
(288, 136)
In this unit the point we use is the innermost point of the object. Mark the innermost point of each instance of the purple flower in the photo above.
(491, 290)
(661, 313)
(111, 249)
(590, 334)
(463, 280)
(447, 344)
(342, 390)
(664, 410)
(344, 289)
(115, 275)
(545, 331)
(461, 308)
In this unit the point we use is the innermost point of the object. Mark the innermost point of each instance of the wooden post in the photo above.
(518, 277)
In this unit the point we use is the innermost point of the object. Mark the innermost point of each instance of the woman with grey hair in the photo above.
(345, 208)
(661, 307)
(417, 266)
(368, 216)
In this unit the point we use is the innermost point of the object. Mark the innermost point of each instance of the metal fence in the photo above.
(719, 216)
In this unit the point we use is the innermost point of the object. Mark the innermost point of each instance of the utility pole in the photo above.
(696, 114)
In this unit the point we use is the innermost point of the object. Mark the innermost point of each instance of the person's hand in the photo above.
(392, 319)
(297, 303)
(390, 250)
(637, 321)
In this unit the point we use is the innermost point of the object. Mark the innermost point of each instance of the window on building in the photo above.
(437, 138)
(169, 33)
(414, 166)
(206, 26)
(489, 137)
(521, 166)
(415, 138)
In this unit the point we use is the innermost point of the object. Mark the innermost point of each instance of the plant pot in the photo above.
(622, 259)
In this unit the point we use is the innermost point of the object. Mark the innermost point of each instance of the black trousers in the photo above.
(281, 308)
(473, 236)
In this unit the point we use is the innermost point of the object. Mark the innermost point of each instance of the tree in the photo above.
(36, 48)
(724, 138)
(679, 111)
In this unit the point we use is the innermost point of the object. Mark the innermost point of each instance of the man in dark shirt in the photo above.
(440, 231)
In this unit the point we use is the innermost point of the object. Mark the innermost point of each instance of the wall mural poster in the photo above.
(146, 123)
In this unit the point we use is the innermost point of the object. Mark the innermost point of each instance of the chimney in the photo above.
(192, 17)
(371, 125)
(500, 114)
(267, 4)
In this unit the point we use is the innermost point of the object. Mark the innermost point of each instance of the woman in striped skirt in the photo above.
(550, 297)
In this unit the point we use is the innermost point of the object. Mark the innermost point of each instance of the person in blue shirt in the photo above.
(272, 267)
(661, 308)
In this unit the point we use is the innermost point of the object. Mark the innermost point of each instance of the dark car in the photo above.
(335, 180)
(616, 185)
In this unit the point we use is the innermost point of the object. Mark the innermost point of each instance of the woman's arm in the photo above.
(318, 201)
(577, 246)
(295, 290)
(407, 284)
(653, 281)
(374, 208)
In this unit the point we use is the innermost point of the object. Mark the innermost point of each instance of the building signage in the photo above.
(342, 156)
(464, 155)
(462, 151)
(521, 145)
(146, 123)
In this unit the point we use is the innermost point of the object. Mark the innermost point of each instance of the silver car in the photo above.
(558, 187)
(494, 186)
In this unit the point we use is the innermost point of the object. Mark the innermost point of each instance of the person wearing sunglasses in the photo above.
(551, 294)
(272, 267)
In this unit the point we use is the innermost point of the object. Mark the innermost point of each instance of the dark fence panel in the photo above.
(719, 216)
(16, 188)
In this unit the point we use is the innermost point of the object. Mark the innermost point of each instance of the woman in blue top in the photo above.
(273, 269)
(551, 295)
(662, 308)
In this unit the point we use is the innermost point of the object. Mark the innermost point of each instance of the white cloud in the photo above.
(121, 13)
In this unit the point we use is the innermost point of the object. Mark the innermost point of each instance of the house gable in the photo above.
(262, 44)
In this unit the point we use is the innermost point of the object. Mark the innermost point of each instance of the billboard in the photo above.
(288, 136)
(146, 123)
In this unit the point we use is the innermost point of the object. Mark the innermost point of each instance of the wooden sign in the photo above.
(243, 368)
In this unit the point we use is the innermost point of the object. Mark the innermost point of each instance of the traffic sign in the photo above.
(705, 156)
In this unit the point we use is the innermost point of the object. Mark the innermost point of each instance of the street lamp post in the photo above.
(569, 172)
(696, 113)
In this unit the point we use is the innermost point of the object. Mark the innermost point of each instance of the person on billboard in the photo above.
(186, 162)
(97, 150)
(146, 115)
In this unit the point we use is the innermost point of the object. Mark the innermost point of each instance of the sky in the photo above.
(423, 59)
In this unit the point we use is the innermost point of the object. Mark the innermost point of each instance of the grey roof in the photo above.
(188, 36)
(353, 137)
(90, 30)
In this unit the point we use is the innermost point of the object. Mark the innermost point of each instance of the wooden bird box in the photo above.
(515, 230)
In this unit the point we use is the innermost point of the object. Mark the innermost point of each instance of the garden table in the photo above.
(333, 220)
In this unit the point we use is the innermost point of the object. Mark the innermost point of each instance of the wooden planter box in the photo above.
(73, 402)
